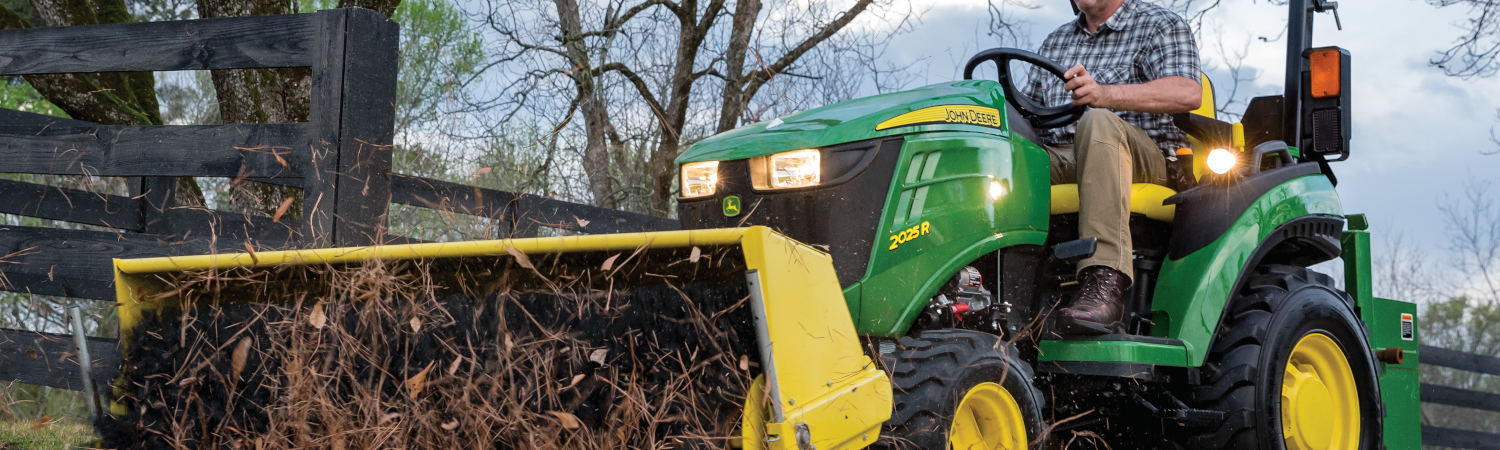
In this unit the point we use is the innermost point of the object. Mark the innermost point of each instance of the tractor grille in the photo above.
(839, 216)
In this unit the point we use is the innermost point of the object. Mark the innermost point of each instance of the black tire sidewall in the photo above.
(984, 358)
(1316, 309)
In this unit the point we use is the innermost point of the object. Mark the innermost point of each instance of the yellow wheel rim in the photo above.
(1319, 401)
(988, 418)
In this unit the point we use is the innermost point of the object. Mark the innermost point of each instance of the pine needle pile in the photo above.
(647, 350)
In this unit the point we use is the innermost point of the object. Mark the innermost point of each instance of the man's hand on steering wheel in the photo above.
(1039, 116)
(1086, 91)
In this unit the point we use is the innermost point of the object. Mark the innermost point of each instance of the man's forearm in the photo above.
(1170, 95)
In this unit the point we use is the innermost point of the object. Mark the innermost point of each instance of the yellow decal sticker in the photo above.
(908, 234)
(965, 114)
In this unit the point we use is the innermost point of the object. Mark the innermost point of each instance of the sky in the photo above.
(1418, 134)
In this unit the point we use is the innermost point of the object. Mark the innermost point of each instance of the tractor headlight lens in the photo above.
(1220, 161)
(700, 179)
(794, 169)
(787, 170)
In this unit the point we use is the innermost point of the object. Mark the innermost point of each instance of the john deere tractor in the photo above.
(952, 247)
(881, 272)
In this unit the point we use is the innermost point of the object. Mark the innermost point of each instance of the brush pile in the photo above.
(567, 351)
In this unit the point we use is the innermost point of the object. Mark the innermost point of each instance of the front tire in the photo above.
(961, 389)
(1292, 368)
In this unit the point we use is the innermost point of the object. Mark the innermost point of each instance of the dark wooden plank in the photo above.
(79, 262)
(324, 113)
(225, 43)
(1455, 438)
(366, 128)
(231, 229)
(182, 150)
(13, 121)
(451, 197)
(47, 359)
(1438, 356)
(69, 205)
(1444, 395)
(587, 219)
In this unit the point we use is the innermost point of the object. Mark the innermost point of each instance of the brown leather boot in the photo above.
(1100, 303)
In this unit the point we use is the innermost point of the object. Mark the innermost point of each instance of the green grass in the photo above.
(56, 435)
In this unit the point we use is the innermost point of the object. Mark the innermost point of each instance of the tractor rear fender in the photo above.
(1297, 221)
(817, 386)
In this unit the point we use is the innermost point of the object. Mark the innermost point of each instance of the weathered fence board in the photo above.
(47, 359)
(1451, 437)
(184, 150)
(69, 205)
(225, 43)
(1459, 360)
(1444, 395)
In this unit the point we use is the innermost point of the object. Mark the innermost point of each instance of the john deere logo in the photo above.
(731, 206)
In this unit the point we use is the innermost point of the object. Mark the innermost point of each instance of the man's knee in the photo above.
(1098, 119)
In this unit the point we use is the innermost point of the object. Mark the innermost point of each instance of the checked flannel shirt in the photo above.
(1140, 42)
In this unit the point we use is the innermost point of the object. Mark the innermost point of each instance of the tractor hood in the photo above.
(970, 105)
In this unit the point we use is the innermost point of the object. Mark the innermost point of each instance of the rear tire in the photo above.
(1291, 314)
(937, 371)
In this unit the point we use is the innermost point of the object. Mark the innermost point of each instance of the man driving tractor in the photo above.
(1135, 64)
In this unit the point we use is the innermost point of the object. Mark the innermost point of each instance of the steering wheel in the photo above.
(1040, 117)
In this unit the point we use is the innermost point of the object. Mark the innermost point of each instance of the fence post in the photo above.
(352, 117)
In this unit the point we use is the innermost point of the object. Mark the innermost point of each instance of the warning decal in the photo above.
(1408, 330)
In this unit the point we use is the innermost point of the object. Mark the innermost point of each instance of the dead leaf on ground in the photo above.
(567, 420)
(697, 253)
(745, 363)
(416, 324)
(597, 356)
(389, 417)
(576, 379)
(609, 263)
(449, 426)
(240, 355)
(521, 258)
(416, 383)
(316, 317)
(42, 423)
(509, 344)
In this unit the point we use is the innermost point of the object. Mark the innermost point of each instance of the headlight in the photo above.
(786, 170)
(700, 179)
(1220, 161)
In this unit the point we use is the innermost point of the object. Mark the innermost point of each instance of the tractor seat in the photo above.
(1145, 199)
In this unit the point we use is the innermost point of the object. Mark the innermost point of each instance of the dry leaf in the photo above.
(609, 263)
(582, 223)
(416, 324)
(597, 356)
(449, 426)
(482, 171)
(241, 353)
(389, 417)
(521, 258)
(281, 210)
(509, 344)
(453, 368)
(42, 423)
(697, 253)
(574, 382)
(316, 318)
(568, 421)
(745, 363)
(416, 383)
(251, 251)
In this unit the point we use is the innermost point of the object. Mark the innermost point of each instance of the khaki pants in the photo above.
(1107, 155)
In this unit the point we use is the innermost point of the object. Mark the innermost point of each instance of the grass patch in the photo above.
(54, 435)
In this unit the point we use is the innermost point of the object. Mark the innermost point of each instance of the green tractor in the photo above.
(952, 247)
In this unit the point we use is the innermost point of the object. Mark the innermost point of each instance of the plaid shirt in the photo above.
(1141, 42)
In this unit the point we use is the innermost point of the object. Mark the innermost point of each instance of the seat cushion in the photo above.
(1145, 199)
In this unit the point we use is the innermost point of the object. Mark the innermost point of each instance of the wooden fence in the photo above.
(1444, 395)
(340, 159)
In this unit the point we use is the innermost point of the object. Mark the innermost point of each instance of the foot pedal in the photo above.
(1076, 249)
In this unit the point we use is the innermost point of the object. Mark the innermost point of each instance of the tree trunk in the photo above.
(732, 104)
(596, 149)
